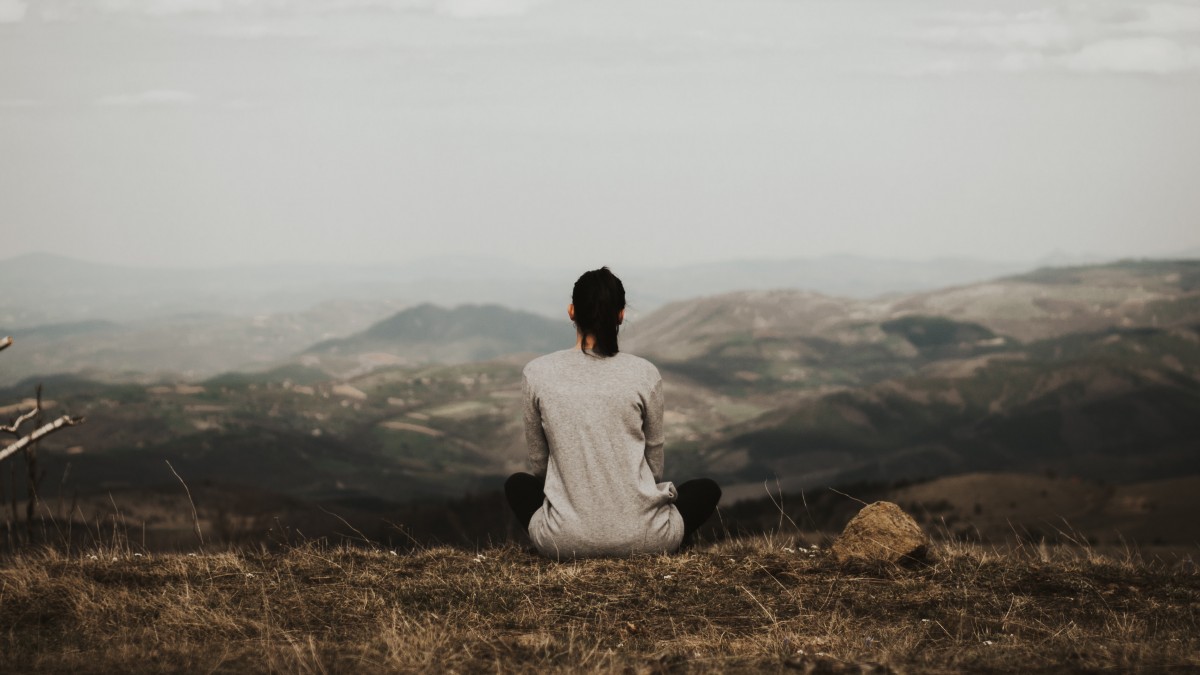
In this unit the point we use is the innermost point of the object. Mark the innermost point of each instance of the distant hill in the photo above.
(1055, 301)
(1090, 371)
(395, 434)
(695, 327)
(428, 333)
(1117, 405)
(196, 322)
(189, 346)
(760, 341)
(787, 339)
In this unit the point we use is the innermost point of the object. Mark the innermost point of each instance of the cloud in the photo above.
(167, 7)
(1155, 55)
(152, 97)
(1076, 37)
(261, 31)
(1162, 19)
(478, 9)
(1039, 29)
(468, 9)
(12, 11)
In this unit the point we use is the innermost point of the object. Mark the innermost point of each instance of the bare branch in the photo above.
(39, 434)
(25, 417)
(5, 343)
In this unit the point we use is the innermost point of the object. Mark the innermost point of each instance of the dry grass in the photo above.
(764, 604)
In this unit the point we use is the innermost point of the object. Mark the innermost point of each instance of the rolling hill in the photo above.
(431, 334)
(809, 389)
(1056, 301)
(1117, 405)
(783, 340)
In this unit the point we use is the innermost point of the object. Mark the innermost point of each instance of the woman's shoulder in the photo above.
(572, 359)
(636, 361)
(640, 365)
(545, 362)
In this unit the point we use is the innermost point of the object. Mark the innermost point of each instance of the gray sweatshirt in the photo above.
(594, 430)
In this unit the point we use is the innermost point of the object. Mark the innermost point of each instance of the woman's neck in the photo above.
(591, 341)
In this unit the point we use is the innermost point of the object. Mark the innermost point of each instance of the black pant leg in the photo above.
(525, 493)
(696, 501)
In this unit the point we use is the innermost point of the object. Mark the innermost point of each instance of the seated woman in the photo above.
(594, 426)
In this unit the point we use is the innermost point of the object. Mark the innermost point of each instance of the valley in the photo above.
(1091, 374)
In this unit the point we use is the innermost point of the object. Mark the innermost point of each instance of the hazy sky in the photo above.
(584, 132)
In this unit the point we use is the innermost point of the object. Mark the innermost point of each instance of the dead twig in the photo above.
(16, 424)
(39, 434)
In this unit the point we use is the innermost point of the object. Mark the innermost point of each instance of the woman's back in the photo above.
(594, 429)
(593, 423)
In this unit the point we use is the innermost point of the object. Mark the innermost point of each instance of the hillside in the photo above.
(397, 434)
(393, 435)
(115, 323)
(428, 333)
(788, 339)
(1057, 301)
(797, 389)
(765, 605)
(1000, 507)
(875, 390)
(1118, 405)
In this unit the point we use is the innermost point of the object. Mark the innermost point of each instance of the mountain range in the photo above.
(98, 320)
(1090, 371)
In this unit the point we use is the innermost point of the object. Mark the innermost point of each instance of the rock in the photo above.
(881, 532)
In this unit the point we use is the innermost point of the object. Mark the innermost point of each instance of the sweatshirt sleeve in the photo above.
(535, 435)
(652, 428)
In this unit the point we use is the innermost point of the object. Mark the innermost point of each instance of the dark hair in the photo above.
(598, 296)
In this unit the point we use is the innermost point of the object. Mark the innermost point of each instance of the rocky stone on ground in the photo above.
(881, 532)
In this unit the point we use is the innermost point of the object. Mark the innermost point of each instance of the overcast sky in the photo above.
(575, 132)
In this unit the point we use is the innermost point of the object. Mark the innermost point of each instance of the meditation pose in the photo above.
(594, 427)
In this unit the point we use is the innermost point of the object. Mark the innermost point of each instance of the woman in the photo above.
(593, 423)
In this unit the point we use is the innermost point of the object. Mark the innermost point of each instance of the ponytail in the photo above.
(599, 297)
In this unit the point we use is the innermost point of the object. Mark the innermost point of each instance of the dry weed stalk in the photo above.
(191, 502)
